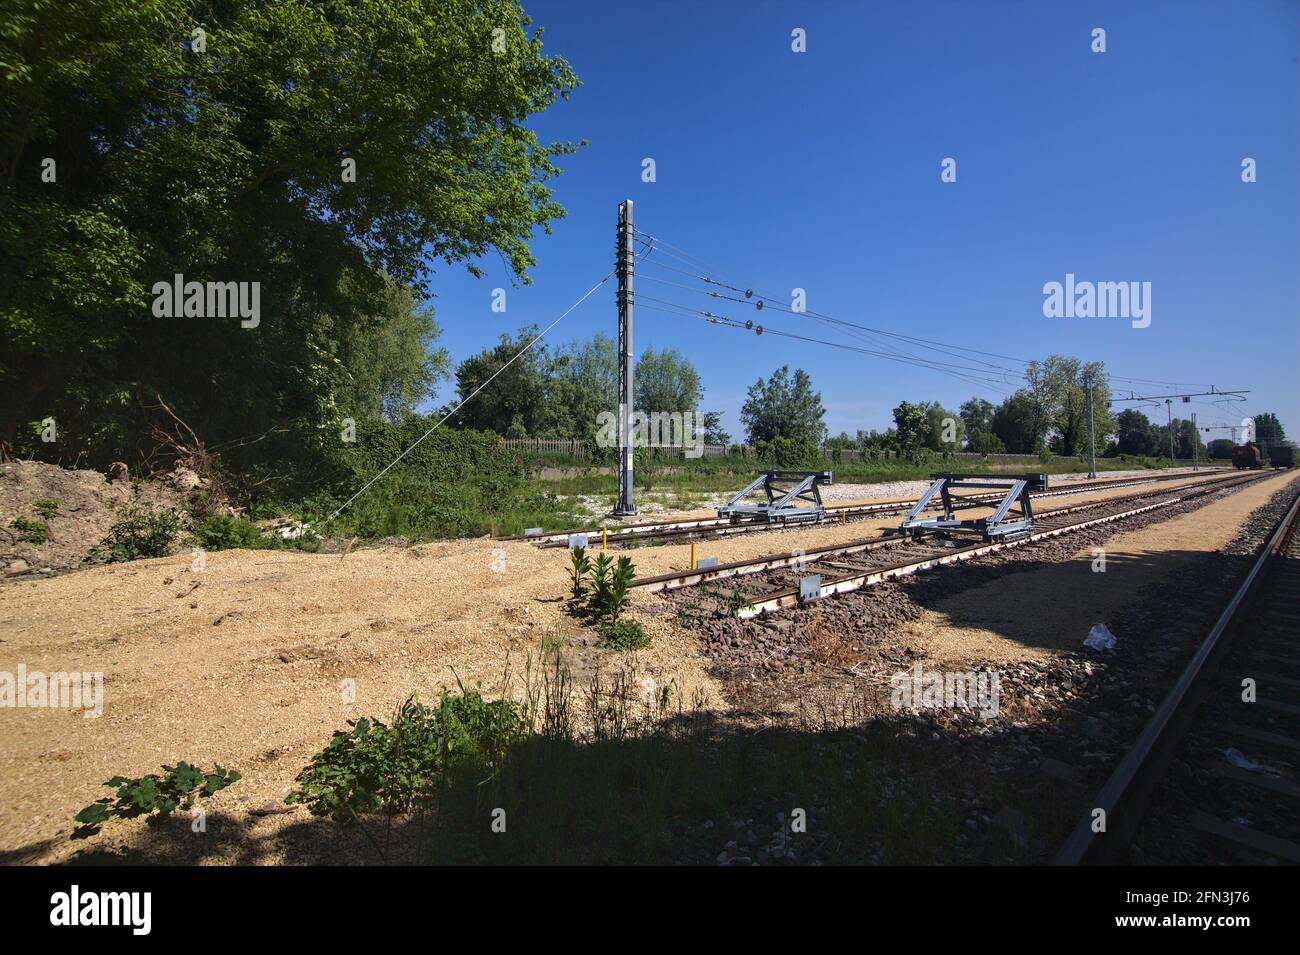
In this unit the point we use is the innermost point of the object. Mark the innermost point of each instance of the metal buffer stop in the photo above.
(996, 526)
(783, 489)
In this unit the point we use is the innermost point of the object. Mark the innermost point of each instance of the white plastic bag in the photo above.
(1100, 638)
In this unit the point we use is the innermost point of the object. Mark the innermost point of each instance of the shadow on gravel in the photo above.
(696, 790)
(843, 776)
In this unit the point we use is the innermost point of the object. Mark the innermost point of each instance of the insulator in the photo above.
(759, 330)
(749, 293)
(749, 325)
(759, 304)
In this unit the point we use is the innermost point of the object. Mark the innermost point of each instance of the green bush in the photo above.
(29, 531)
(178, 787)
(138, 533)
(789, 454)
(222, 532)
(454, 483)
(623, 635)
(47, 507)
(404, 767)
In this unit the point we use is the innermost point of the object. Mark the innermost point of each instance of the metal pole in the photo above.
(1169, 416)
(1092, 447)
(1196, 440)
(625, 505)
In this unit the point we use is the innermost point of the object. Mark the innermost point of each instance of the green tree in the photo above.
(784, 407)
(977, 415)
(581, 382)
(912, 426)
(1269, 432)
(1058, 386)
(511, 404)
(666, 381)
(1134, 433)
(230, 164)
(1017, 423)
(945, 430)
(391, 363)
(713, 431)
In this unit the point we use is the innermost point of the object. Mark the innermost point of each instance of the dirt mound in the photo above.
(73, 510)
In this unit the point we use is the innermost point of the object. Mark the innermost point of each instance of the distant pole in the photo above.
(1196, 440)
(1169, 414)
(1092, 446)
(625, 506)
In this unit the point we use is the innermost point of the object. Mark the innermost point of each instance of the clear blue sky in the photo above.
(821, 170)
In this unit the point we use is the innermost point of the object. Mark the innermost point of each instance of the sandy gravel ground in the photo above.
(665, 558)
(910, 490)
(248, 661)
(1032, 614)
(245, 662)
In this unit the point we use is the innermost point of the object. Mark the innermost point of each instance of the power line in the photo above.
(586, 295)
(761, 300)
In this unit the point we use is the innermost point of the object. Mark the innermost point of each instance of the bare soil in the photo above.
(256, 658)
(87, 504)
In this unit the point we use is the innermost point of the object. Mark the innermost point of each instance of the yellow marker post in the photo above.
(692, 556)
(843, 519)
(604, 537)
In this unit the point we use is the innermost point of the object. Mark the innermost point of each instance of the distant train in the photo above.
(1249, 455)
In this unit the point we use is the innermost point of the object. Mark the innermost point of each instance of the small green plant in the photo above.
(404, 767)
(47, 507)
(736, 603)
(177, 788)
(579, 567)
(623, 635)
(138, 533)
(610, 594)
(29, 531)
(598, 575)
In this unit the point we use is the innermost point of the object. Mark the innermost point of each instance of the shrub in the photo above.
(579, 567)
(789, 453)
(138, 533)
(222, 532)
(623, 635)
(29, 531)
(452, 484)
(178, 787)
(47, 507)
(406, 766)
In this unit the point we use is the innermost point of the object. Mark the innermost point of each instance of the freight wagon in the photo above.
(1247, 456)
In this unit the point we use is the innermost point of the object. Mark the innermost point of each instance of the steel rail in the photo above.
(781, 599)
(1123, 798)
(650, 530)
(678, 579)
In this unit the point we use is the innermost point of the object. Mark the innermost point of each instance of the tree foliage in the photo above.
(560, 393)
(224, 161)
(784, 407)
(666, 381)
(1269, 432)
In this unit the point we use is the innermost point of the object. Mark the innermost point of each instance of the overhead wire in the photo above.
(857, 330)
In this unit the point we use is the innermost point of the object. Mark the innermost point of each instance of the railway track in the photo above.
(1247, 751)
(651, 531)
(773, 582)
